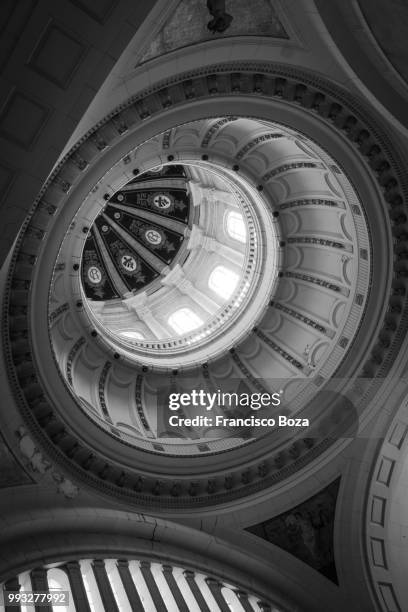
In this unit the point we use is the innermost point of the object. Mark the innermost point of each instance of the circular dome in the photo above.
(173, 267)
(179, 267)
(302, 338)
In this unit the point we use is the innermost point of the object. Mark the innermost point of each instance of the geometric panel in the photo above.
(97, 10)
(385, 471)
(22, 118)
(378, 552)
(398, 434)
(306, 531)
(388, 595)
(378, 510)
(57, 55)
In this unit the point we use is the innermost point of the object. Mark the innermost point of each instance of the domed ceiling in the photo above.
(286, 299)
(265, 290)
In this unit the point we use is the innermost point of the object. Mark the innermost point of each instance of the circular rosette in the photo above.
(128, 263)
(162, 201)
(153, 237)
(94, 275)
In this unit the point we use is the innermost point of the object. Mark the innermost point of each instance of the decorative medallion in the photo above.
(164, 242)
(94, 275)
(162, 201)
(153, 237)
(128, 263)
(95, 280)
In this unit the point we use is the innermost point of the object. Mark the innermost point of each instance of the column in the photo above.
(13, 586)
(189, 575)
(174, 588)
(73, 570)
(129, 585)
(39, 584)
(215, 588)
(152, 586)
(243, 600)
(105, 589)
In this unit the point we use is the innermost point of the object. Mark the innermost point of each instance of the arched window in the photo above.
(58, 581)
(236, 226)
(184, 320)
(223, 281)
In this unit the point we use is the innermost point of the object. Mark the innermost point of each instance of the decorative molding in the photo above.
(55, 314)
(311, 202)
(380, 491)
(308, 278)
(306, 320)
(214, 129)
(321, 241)
(287, 356)
(101, 390)
(287, 167)
(139, 404)
(71, 356)
(253, 143)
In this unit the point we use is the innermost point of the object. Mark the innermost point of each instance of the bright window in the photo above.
(236, 226)
(58, 581)
(133, 335)
(184, 320)
(223, 281)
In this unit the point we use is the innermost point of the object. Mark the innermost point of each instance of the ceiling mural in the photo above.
(173, 203)
(137, 234)
(306, 531)
(162, 241)
(189, 25)
(95, 278)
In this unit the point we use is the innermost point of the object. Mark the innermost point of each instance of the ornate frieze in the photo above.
(71, 356)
